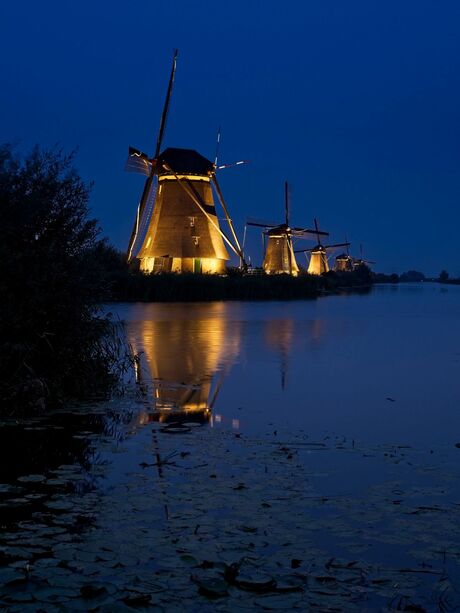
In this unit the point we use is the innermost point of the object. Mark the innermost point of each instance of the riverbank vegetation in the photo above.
(54, 343)
(126, 284)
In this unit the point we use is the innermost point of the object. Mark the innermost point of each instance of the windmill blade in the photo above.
(286, 203)
(229, 221)
(317, 230)
(305, 250)
(308, 231)
(139, 213)
(143, 216)
(222, 166)
(146, 215)
(138, 161)
(164, 115)
(251, 221)
(244, 237)
(217, 146)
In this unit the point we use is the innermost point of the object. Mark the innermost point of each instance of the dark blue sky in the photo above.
(356, 103)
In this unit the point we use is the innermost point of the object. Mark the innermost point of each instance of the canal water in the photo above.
(285, 455)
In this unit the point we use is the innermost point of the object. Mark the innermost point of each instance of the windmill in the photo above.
(279, 255)
(318, 254)
(359, 262)
(344, 261)
(176, 227)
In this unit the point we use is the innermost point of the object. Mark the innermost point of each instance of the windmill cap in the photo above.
(281, 229)
(185, 161)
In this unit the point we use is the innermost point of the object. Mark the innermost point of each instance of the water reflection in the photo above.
(184, 352)
(279, 335)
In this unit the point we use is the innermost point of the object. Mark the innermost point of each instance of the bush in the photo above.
(53, 344)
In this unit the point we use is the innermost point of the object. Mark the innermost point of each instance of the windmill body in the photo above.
(279, 255)
(318, 261)
(343, 263)
(180, 236)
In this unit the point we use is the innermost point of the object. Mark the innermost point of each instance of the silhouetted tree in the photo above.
(49, 279)
(412, 276)
(443, 276)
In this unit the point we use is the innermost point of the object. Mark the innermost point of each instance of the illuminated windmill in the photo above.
(344, 261)
(359, 262)
(176, 227)
(318, 254)
(279, 255)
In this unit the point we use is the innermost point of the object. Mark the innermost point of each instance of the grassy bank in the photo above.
(127, 286)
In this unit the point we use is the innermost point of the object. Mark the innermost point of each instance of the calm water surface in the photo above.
(272, 456)
(379, 367)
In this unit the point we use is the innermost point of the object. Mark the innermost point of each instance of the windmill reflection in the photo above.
(185, 353)
(279, 335)
(285, 336)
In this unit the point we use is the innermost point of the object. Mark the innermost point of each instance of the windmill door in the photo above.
(197, 265)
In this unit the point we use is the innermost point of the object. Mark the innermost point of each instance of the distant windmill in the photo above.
(358, 262)
(344, 261)
(318, 254)
(279, 255)
(176, 227)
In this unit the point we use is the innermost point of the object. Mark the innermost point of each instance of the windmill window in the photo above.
(192, 222)
(196, 240)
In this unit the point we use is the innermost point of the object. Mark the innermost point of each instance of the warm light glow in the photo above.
(189, 177)
(183, 359)
(169, 245)
(318, 263)
(279, 256)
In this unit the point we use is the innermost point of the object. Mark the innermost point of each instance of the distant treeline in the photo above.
(415, 276)
(444, 277)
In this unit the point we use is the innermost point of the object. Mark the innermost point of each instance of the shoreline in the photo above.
(138, 287)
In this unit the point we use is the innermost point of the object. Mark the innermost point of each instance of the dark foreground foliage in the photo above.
(52, 343)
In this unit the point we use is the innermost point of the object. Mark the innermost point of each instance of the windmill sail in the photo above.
(138, 162)
(142, 222)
